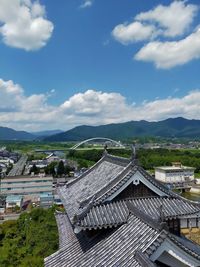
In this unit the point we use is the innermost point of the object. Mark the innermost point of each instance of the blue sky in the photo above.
(96, 62)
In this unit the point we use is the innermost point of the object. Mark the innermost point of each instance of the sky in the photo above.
(73, 62)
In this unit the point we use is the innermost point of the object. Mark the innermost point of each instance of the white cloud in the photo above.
(92, 107)
(94, 104)
(168, 22)
(87, 3)
(133, 32)
(173, 19)
(166, 55)
(24, 24)
(186, 106)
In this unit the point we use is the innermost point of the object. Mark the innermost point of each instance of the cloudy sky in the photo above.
(67, 63)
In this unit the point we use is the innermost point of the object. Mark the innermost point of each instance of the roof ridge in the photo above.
(117, 158)
(143, 260)
(126, 173)
(86, 172)
(132, 172)
(106, 157)
(156, 183)
(155, 224)
(117, 212)
(187, 246)
(99, 194)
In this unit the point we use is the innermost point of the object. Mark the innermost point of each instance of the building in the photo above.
(3, 169)
(46, 200)
(52, 157)
(118, 215)
(177, 173)
(13, 201)
(31, 186)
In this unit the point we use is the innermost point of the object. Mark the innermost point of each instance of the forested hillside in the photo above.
(28, 240)
(174, 127)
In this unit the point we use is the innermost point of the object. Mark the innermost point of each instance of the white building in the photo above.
(12, 201)
(177, 173)
(6, 161)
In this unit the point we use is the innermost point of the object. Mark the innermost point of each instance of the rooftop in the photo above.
(175, 168)
(13, 198)
(84, 187)
(103, 228)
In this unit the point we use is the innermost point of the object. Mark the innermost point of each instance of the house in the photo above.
(116, 214)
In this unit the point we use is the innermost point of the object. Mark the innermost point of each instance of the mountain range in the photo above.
(11, 134)
(176, 127)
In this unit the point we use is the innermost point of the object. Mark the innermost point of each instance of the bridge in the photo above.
(118, 144)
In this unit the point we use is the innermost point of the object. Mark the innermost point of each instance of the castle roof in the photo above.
(113, 214)
(128, 232)
(132, 244)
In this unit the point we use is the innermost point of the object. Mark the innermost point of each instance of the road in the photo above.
(18, 168)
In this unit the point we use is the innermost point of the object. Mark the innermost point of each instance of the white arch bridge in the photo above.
(118, 144)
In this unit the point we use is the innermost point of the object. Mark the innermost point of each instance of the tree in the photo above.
(68, 169)
(60, 168)
(50, 169)
(34, 169)
(82, 163)
(28, 240)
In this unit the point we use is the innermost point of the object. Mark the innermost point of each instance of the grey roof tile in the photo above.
(115, 250)
(135, 230)
(100, 175)
(116, 213)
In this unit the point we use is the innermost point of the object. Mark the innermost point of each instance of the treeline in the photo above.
(28, 240)
(163, 157)
(148, 158)
(85, 158)
(57, 169)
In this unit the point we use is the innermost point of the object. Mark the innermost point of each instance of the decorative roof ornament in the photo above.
(134, 153)
(105, 152)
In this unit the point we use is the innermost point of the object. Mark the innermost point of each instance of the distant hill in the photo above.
(177, 127)
(10, 134)
(47, 133)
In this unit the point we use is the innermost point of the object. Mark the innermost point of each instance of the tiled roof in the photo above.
(105, 215)
(116, 213)
(118, 249)
(129, 245)
(66, 233)
(102, 181)
(129, 231)
(101, 174)
(170, 207)
(117, 183)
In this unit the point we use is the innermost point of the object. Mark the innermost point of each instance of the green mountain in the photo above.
(10, 134)
(177, 127)
(47, 133)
